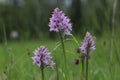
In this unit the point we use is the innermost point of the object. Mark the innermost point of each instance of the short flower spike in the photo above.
(88, 44)
(60, 22)
(42, 57)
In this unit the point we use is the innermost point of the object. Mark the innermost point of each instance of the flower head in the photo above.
(60, 22)
(88, 44)
(42, 57)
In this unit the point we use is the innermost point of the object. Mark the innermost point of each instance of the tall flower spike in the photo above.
(60, 22)
(42, 57)
(88, 44)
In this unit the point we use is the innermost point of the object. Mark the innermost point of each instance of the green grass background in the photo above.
(16, 62)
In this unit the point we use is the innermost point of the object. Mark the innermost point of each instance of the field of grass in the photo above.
(16, 62)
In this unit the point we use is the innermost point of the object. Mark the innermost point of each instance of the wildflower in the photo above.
(42, 57)
(60, 23)
(88, 44)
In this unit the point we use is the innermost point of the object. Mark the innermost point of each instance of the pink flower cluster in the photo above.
(60, 22)
(42, 57)
(88, 44)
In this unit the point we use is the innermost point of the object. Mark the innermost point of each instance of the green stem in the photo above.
(64, 53)
(75, 40)
(6, 51)
(5, 37)
(42, 72)
(57, 77)
(112, 38)
(57, 71)
(82, 69)
(87, 63)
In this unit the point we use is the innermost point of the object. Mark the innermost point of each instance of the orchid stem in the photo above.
(64, 53)
(87, 65)
(82, 69)
(42, 71)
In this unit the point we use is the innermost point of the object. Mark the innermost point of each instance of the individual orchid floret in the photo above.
(42, 57)
(88, 44)
(60, 23)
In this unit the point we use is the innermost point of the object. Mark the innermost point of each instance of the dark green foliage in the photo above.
(76, 16)
(31, 18)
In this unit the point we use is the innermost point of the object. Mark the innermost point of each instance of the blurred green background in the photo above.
(30, 18)
(25, 23)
